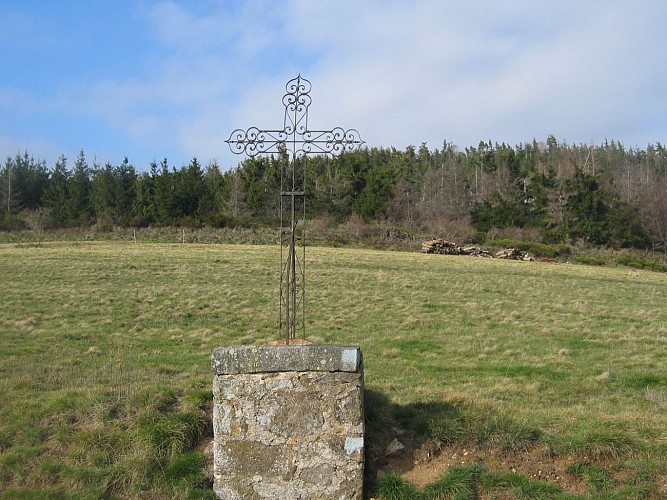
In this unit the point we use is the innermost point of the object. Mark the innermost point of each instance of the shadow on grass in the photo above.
(434, 423)
(427, 427)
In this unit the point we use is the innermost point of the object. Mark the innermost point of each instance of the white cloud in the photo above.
(399, 72)
(40, 149)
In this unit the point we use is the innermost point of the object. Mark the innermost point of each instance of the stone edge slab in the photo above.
(283, 358)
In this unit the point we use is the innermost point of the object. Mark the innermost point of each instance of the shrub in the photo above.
(11, 222)
(641, 263)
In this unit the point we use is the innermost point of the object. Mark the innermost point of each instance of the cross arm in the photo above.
(254, 141)
(334, 142)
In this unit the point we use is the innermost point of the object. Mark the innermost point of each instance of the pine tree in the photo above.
(33, 177)
(188, 190)
(79, 209)
(143, 208)
(211, 201)
(9, 191)
(164, 195)
(101, 195)
(57, 193)
(124, 191)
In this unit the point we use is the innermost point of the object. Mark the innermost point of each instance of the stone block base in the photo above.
(288, 422)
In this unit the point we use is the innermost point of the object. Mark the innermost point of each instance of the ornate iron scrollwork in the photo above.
(298, 141)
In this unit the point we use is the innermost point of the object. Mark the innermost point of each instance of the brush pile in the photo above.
(444, 247)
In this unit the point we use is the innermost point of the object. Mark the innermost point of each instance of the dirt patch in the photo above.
(422, 462)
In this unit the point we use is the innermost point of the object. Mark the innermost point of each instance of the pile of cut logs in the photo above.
(441, 246)
(474, 251)
(514, 254)
(444, 247)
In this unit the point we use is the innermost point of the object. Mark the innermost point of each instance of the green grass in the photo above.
(105, 346)
(469, 482)
(465, 482)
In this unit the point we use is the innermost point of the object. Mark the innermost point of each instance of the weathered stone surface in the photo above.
(283, 358)
(295, 434)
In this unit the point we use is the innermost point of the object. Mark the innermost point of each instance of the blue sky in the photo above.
(152, 79)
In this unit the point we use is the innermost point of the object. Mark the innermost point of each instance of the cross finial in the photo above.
(294, 135)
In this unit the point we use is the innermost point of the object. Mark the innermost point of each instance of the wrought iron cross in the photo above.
(297, 142)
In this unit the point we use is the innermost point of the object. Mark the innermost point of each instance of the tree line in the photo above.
(550, 191)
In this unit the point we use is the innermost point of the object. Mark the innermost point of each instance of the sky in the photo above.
(149, 80)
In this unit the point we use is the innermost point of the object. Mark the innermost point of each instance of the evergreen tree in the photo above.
(56, 197)
(143, 208)
(596, 216)
(34, 177)
(188, 191)
(164, 199)
(102, 195)
(80, 209)
(261, 179)
(124, 192)
(212, 201)
(353, 168)
(372, 202)
(23, 182)
(9, 191)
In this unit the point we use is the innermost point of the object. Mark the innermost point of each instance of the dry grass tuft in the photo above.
(391, 353)
(656, 396)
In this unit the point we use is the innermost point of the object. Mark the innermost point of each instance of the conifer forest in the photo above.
(549, 192)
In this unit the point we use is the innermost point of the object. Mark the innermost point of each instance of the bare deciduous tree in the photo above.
(37, 221)
(654, 212)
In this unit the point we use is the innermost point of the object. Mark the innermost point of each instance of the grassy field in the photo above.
(105, 377)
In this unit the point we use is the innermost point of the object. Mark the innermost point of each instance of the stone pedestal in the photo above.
(288, 422)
